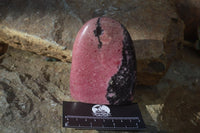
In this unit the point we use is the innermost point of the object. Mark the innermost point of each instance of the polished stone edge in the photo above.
(121, 85)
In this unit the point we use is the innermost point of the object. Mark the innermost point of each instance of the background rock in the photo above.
(172, 105)
(189, 12)
(3, 48)
(31, 95)
(46, 19)
(154, 26)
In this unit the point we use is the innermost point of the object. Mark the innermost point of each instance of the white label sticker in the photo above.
(101, 110)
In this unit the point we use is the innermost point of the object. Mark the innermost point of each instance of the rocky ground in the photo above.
(173, 104)
(155, 28)
(32, 90)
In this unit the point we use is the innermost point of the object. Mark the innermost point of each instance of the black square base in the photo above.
(102, 117)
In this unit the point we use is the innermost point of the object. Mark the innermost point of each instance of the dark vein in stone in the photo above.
(98, 31)
(121, 84)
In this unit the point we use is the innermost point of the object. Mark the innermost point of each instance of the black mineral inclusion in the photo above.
(123, 82)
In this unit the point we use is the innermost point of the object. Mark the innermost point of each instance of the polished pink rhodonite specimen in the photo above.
(103, 67)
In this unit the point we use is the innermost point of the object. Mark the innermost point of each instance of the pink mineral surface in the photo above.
(103, 67)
